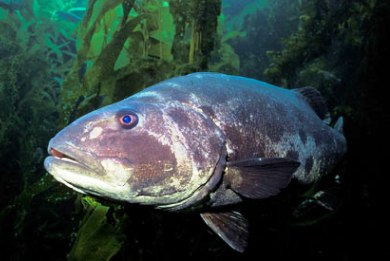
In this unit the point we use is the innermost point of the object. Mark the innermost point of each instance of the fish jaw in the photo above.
(84, 173)
(84, 180)
(71, 153)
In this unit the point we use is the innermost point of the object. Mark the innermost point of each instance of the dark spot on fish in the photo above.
(147, 164)
(208, 111)
(301, 117)
(275, 133)
(148, 167)
(247, 144)
(303, 136)
(318, 138)
(309, 165)
(180, 117)
(199, 133)
(272, 124)
(292, 154)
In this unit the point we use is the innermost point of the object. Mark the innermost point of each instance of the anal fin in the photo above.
(231, 226)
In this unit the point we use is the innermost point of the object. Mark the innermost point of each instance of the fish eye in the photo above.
(127, 119)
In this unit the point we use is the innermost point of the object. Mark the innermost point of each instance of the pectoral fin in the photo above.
(231, 226)
(259, 177)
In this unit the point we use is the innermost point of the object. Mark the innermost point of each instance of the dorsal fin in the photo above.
(314, 98)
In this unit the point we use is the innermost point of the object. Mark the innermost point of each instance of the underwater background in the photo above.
(61, 59)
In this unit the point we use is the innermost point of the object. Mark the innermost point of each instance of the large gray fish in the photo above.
(199, 142)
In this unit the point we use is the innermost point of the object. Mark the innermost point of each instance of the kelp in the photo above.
(96, 55)
(323, 26)
(52, 74)
(58, 70)
(27, 93)
(338, 48)
(204, 27)
(258, 30)
(200, 21)
(330, 33)
(32, 57)
(97, 239)
(147, 41)
(122, 47)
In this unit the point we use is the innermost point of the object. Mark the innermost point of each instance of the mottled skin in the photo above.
(188, 128)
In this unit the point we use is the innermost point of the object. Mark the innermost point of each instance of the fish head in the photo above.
(155, 154)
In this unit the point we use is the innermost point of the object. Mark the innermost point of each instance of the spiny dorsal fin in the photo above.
(314, 98)
(231, 226)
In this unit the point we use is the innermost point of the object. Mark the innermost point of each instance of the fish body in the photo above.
(199, 141)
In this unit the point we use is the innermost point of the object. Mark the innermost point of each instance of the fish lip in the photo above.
(69, 154)
(63, 178)
(70, 185)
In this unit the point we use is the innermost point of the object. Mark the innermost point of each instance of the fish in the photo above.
(202, 142)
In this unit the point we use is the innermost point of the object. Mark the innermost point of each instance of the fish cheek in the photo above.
(154, 166)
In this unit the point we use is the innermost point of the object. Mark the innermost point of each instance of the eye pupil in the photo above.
(126, 119)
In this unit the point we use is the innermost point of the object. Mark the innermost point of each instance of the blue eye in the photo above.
(127, 119)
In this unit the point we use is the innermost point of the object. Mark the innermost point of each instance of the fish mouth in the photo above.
(68, 154)
(77, 158)
(58, 154)
(68, 165)
(83, 171)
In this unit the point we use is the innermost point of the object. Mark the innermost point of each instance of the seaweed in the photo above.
(28, 117)
(27, 93)
(97, 239)
(330, 33)
(50, 77)
(120, 42)
(253, 31)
